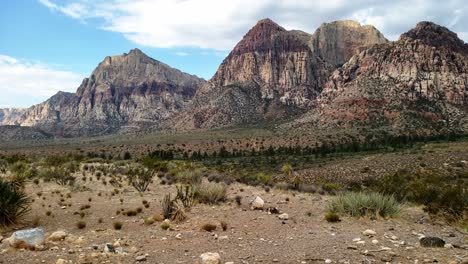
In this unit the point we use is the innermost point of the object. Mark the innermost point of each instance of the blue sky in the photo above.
(51, 45)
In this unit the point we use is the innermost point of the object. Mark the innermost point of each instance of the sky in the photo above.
(48, 46)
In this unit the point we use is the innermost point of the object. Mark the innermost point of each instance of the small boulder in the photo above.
(283, 216)
(57, 236)
(432, 242)
(257, 203)
(28, 238)
(369, 232)
(210, 258)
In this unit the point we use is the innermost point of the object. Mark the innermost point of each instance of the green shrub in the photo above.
(441, 194)
(332, 217)
(365, 204)
(61, 176)
(211, 193)
(14, 203)
(186, 195)
(140, 178)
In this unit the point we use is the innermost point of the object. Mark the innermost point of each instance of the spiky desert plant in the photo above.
(186, 195)
(14, 203)
(167, 206)
(140, 177)
(178, 214)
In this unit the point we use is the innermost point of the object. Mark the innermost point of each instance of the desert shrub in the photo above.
(165, 225)
(441, 194)
(332, 217)
(238, 200)
(330, 187)
(3, 166)
(224, 225)
(178, 214)
(186, 195)
(365, 204)
(61, 176)
(140, 178)
(189, 177)
(117, 225)
(210, 193)
(148, 221)
(208, 227)
(14, 203)
(81, 224)
(167, 206)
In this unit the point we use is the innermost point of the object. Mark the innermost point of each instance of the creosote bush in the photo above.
(117, 225)
(332, 217)
(365, 204)
(81, 224)
(209, 227)
(140, 177)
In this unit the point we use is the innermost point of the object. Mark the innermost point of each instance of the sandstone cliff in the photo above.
(418, 83)
(273, 74)
(124, 92)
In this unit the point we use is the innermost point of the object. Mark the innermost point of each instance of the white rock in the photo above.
(141, 258)
(361, 242)
(328, 261)
(60, 261)
(210, 258)
(257, 203)
(369, 232)
(356, 239)
(29, 238)
(447, 245)
(57, 236)
(283, 216)
(179, 236)
(394, 238)
(375, 241)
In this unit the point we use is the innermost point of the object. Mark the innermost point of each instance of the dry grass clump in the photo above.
(208, 227)
(365, 204)
(332, 217)
(81, 224)
(211, 193)
(117, 225)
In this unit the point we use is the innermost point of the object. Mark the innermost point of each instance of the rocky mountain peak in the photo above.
(435, 35)
(336, 42)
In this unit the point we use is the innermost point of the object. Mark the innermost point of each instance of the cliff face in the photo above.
(273, 73)
(338, 41)
(11, 116)
(131, 90)
(419, 82)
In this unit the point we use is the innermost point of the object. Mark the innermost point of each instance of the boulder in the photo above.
(432, 242)
(57, 236)
(257, 203)
(28, 238)
(210, 258)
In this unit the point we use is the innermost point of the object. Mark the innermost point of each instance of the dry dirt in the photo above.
(251, 237)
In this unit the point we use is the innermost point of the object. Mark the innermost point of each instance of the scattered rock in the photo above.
(28, 238)
(141, 258)
(109, 248)
(351, 247)
(272, 210)
(210, 257)
(60, 261)
(328, 261)
(375, 241)
(179, 236)
(57, 236)
(448, 245)
(432, 242)
(257, 203)
(369, 232)
(283, 216)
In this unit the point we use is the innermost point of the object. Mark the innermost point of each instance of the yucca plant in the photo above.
(14, 203)
(185, 194)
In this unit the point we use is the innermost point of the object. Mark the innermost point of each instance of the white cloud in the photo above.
(181, 53)
(220, 24)
(23, 82)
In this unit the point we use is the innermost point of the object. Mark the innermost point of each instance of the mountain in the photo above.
(417, 84)
(10, 116)
(272, 73)
(15, 133)
(129, 91)
(338, 41)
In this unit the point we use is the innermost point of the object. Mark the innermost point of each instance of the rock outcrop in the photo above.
(123, 92)
(338, 41)
(11, 116)
(414, 84)
(272, 74)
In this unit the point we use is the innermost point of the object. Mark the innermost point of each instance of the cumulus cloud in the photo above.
(219, 24)
(23, 82)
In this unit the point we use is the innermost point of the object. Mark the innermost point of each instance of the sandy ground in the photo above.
(251, 237)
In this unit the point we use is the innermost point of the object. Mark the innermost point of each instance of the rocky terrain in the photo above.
(273, 73)
(416, 84)
(17, 133)
(125, 92)
(11, 116)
